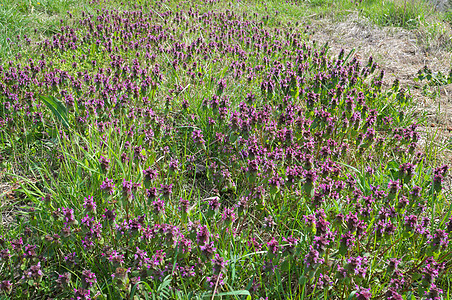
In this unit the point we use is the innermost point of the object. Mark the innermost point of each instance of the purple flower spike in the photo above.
(363, 294)
(108, 186)
(198, 137)
(166, 190)
(219, 264)
(159, 206)
(89, 204)
(88, 278)
(434, 293)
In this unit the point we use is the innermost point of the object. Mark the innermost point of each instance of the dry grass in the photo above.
(396, 50)
(401, 53)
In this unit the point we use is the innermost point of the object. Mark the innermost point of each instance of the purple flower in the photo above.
(203, 235)
(214, 203)
(89, 204)
(291, 244)
(256, 246)
(311, 176)
(212, 280)
(416, 191)
(108, 185)
(403, 201)
(323, 281)
(347, 240)
(430, 272)
(242, 204)
(63, 280)
(269, 223)
(394, 186)
(158, 259)
(438, 176)
(174, 165)
(310, 221)
(82, 294)
(219, 264)
(104, 163)
(228, 215)
(158, 206)
(341, 272)
(120, 275)
(273, 246)
(320, 243)
(87, 221)
(391, 294)
(141, 256)
(87, 243)
(71, 257)
(441, 170)
(68, 215)
(30, 251)
(313, 258)
(393, 263)
(208, 249)
(184, 205)
(88, 278)
(151, 193)
(383, 227)
(276, 181)
(357, 265)
(221, 85)
(362, 293)
(34, 271)
(116, 258)
(166, 190)
(150, 174)
(398, 280)
(269, 266)
(4, 254)
(352, 221)
(440, 238)
(127, 188)
(449, 226)
(139, 153)
(198, 137)
(6, 286)
(434, 293)
(411, 222)
(109, 215)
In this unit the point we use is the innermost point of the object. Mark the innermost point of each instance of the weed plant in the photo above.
(194, 149)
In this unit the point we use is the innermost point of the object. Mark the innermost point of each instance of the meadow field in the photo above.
(213, 149)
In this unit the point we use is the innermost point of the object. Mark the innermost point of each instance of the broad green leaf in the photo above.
(57, 108)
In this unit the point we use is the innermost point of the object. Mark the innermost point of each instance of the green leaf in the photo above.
(349, 55)
(94, 49)
(233, 293)
(57, 108)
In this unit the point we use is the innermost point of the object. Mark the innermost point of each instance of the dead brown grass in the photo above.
(398, 51)
(401, 53)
